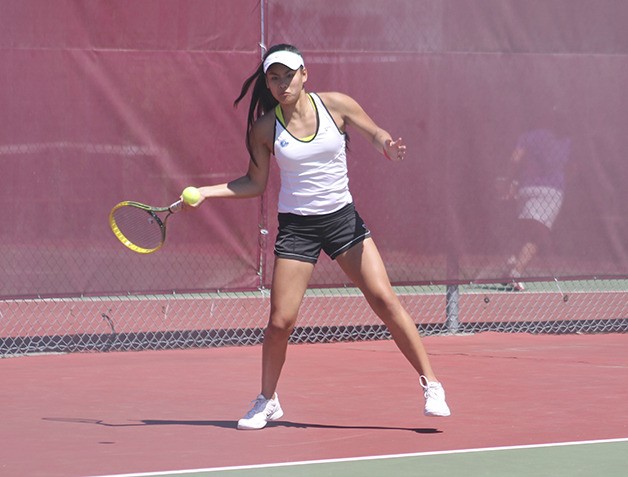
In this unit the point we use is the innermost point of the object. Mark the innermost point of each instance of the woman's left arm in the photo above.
(348, 110)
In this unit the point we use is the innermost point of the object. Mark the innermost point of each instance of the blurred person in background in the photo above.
(536, 180)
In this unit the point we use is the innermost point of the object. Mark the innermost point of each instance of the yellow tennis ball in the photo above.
(191, 195)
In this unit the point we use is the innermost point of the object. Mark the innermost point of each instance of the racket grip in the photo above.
(176, 207)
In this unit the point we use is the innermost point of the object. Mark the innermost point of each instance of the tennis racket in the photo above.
(139, 227)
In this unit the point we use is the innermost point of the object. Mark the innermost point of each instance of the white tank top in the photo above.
(313, 170)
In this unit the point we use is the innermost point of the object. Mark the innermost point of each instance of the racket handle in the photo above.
(176, 207)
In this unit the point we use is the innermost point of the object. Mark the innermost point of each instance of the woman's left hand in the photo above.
(395, 150)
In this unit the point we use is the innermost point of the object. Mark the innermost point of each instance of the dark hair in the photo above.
(262, 100)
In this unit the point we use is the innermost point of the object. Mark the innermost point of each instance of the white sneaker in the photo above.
(435, 404)
(518, 286)
(263, 410)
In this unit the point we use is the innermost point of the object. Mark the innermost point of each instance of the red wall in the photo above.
(110, 100)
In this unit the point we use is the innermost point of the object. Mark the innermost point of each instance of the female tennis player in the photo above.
(305, 132)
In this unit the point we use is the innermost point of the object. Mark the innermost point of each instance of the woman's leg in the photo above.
(364, 266)
(290, 281)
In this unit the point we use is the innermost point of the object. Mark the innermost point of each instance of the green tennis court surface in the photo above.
(603, 458)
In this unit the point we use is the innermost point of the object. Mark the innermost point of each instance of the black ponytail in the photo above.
(262, 101)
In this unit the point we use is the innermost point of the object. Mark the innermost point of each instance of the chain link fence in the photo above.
(134, 323)
(507, 215)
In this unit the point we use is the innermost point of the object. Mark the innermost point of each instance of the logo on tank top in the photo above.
(283, 143)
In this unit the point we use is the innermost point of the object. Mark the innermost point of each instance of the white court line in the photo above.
(380, 457)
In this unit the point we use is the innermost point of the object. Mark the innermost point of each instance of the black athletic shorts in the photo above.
(301, 237)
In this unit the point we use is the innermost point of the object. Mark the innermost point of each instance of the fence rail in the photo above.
(126, 323)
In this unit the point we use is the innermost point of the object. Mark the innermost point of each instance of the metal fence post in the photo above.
(452, 308)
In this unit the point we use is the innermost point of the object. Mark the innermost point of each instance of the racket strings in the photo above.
(139, 227)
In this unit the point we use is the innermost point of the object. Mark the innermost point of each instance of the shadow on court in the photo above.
(233, 424)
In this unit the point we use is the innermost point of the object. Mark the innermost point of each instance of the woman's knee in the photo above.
(280, 325)
(385, 304)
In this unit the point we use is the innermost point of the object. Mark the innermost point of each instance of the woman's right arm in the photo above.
(253, 183)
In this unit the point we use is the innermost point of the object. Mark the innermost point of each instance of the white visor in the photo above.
(292, 60)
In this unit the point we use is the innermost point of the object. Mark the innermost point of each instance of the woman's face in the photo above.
(285, 84)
